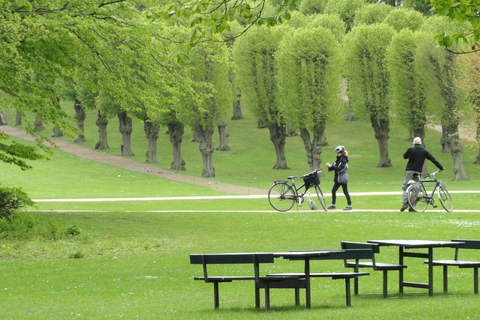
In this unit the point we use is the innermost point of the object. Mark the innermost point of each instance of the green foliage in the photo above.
(404, 19)
(312, 7)
(366, 69)
(73, 230)
(19, 225)
(11, 200)
(76, 255)
(297, 20)
(408, 96)
(254, 54)
(331, 22)
(461, 11)
(346, 9)
(14, 152)
(309, 77)
(206, 18)
(372, 13)
(207, 103)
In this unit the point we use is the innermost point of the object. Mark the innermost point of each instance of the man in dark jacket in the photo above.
(416, 156)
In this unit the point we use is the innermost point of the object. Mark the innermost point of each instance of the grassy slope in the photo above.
(247, 164)
(135, 265)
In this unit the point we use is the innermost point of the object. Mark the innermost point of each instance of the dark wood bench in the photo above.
(462, 264)
(255, 259)
(376, 266)
(333, 255)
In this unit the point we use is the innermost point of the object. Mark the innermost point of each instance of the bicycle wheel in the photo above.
(281, 196)
(445, 198)
(416, 198)
(321, 198)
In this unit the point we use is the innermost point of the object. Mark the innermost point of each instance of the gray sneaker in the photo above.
(348, 208)
(332, 207)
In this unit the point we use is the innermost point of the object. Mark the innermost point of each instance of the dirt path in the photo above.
(130, 164)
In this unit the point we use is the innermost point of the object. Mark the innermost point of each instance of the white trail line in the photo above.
(264, 196)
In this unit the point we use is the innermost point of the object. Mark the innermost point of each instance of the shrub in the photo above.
(73, 231)
(76, 255)
(19, 225)
(12, 199)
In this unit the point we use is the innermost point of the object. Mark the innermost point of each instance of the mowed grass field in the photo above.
(129, 259)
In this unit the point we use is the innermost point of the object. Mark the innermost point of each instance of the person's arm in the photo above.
(434, 161)
(406, 154)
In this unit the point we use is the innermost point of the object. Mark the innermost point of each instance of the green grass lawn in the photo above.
(130, 259)
(135, 265)
(251, 159)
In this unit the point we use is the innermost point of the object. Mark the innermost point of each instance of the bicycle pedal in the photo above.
(435, 206)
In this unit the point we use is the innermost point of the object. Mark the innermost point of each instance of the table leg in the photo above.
(307, 285)
(430, 271)
(400, 272)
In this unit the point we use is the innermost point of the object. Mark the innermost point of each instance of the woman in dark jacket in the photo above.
(339, 166)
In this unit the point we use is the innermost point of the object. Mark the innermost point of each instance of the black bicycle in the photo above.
(283, 194)
(418, 197)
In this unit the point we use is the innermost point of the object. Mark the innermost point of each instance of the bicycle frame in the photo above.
(283, 194)
(419, 198)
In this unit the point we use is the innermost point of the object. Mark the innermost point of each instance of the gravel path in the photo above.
(130, 164)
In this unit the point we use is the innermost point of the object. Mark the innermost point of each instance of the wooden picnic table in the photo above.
(404, 247)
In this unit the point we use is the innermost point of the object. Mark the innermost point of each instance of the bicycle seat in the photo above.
(292, 177)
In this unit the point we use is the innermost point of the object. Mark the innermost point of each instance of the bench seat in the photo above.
(334, 275)
(456, 263)
(376, 266)
(463, 264)
(261, 282)
(224, 278)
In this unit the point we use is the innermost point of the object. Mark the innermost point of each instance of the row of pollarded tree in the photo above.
(291, 77)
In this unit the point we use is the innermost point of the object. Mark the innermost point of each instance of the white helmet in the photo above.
(339, 149)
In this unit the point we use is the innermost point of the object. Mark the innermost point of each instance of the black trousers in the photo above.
(345, 192)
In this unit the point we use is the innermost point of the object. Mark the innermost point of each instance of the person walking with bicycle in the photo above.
(340, 167)
(416, 156)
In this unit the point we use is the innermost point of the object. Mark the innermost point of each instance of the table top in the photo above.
(303, 254)
(415, 243)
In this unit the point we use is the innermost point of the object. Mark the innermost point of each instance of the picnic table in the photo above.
(335, 254)
(281, 280)
(404, 251)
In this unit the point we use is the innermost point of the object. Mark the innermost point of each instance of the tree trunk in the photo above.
(444, 141)
(56, 131)
(80, 116)
(126, 128)
(418, 132)
(222, 132)
(291, 132)
(102, 123)
(237, 109)
(382, 128)
(477, 161)
(278, 134)
(206, 149)
(453, 141)
(39, 124)
(176, 131)
(152, 132)
(18, 118)
(350, 114)
(313, 148)
(3, 118)
(194, 136)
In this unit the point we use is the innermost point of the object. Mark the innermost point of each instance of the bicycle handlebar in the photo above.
(429, 175)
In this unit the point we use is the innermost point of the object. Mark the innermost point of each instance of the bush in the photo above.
(12, 199)
(19, 225)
